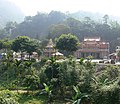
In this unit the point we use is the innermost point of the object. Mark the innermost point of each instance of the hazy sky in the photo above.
(30, 7)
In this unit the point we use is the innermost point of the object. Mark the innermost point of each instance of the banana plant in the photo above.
(78, 97)
(100, 82)
(47, 91)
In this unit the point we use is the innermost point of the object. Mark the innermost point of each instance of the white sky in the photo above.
(30, 7)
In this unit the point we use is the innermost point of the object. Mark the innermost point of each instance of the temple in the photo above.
(49, 49)
(93, 47)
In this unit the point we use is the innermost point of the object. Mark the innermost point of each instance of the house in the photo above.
(115, 56)
(93, 46)
(58, 55)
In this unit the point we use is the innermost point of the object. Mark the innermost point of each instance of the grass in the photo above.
(41, 99)
(24, 97)
(29, 99)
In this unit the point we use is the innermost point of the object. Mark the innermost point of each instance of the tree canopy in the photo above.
(67, 42)
(19, 43)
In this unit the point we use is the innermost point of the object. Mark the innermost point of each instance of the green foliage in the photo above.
(77, 93)
(67, 42)
(19, 43)
(31, 46)
(38, 24)
(40, 64)
(52, 70)
(31, 82)
(5, 44)
(29, 99)
(55, 23)
(108, 94)
(79, 97)
(57, 30)
(8, 101)
(56, 79)
(81, 61)
(25, 44)
(8, 97)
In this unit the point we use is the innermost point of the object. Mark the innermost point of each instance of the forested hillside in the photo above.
(55, 23)
(38, 26)
(95, 16)
(9, 12)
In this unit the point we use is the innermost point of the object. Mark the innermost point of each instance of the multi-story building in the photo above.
(94, 47)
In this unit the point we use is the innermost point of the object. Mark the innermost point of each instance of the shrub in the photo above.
(8, 97)
(108, 94)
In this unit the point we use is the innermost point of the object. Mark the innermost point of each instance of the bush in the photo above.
(108, 94)
(32, 82)
(8, 97)
(7, 101)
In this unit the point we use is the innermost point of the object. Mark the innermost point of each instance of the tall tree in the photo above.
(105, 19)
(118, 55)
(31, 46)
(19, 43)
(67, 42)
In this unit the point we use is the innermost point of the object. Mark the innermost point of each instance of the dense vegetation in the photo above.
(52, 81)
(49, 81)
(67, 43)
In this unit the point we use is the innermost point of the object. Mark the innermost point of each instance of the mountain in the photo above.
(9, 12)
(94, 16)
(38, 25)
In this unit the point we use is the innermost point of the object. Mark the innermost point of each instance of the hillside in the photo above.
(55, 23)
(9, 12)
(94, 16)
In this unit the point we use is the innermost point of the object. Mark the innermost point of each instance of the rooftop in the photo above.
(92, 39)
(50, 43)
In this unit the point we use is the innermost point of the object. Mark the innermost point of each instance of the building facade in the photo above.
(94, 47)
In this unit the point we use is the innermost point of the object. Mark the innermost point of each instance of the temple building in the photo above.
(94, 47)
(49, 49)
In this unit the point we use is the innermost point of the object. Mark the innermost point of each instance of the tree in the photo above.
(87, 20)
(118, 54)
(17, 64)
(1, 44)
(25, 44)
(57, 30)
(2, 33)
(105, 18)
(18, 44)
(67, 42)
(74, 26)
(31, 82)
(6, 44)
(9, 27)
(31, 46)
